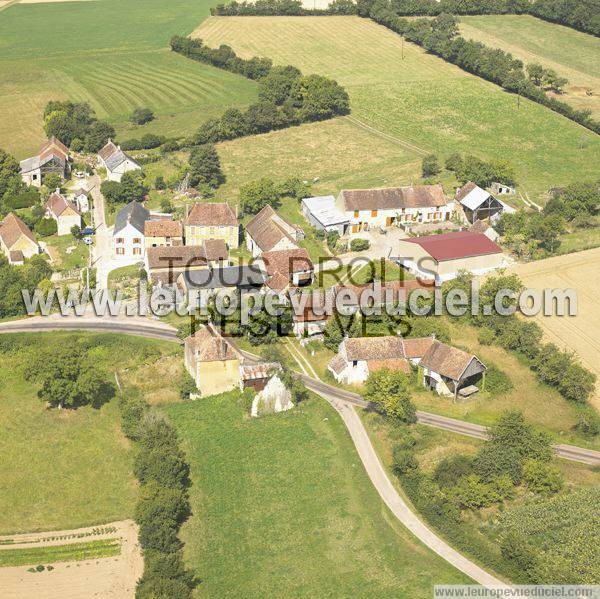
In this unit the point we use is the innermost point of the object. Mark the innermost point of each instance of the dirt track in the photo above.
(105, 578)
(580, 333)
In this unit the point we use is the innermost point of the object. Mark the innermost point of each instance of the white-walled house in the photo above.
(116, 162)
(128, 233)
(81, 197)
(369, 208)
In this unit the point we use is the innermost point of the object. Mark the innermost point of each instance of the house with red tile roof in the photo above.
(287, 268)
(442, 257)
(63, 211)
(269, 232)
(17, 242)
(212, 221)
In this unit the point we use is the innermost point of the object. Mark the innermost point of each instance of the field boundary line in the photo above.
(405, 144)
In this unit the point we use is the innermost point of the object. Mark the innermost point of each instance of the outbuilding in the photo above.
(441, 257)
(322, 213)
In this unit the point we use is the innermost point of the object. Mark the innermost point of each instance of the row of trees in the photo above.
(553, 366)
(11, 184)
(163, 505)
(76, 125)
(440, 36)
(583, 15)
(471, 168)
(286, 97)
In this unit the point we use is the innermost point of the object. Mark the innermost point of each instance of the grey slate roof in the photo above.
(117, 158)
(30, 164)
(133, 213)
(228, 276)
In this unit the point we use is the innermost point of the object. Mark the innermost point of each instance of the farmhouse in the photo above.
(128, 233)
(212, 361)
(358, 357)
(53, 157)
(451, 371)
(287, 267)
(368, 208)
(200, 285)
(478, 204)
(441, 257)
(17, 242)
(309, 314)
(212, 221)
(64, 212)
(267, 231)
(116, 162)
(323, 214)
(163, 232)
(164, 264)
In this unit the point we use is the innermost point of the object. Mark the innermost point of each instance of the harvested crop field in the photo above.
(579, 333)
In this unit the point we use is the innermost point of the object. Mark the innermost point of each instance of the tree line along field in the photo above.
(281, 506)
(572, 54)
(80, 51)
(64, 469)
(418, 99)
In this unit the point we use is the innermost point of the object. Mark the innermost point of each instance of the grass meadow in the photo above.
(112, 54)
(283, 507)
(424, 103)
(65, 469)
(572, 54)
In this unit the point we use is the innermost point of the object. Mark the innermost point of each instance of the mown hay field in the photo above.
(572, 54)
(112, 54)
(417, 98)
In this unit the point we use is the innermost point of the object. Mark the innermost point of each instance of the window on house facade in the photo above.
(120, 250)
(354, 363)
(137, 251)
(137, 240)
(120, 240)
(356, 214)
(373, 212)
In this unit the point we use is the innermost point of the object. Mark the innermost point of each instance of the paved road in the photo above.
(102, 242)
(343, 402)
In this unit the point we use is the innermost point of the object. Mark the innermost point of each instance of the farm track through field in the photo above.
(384, 135)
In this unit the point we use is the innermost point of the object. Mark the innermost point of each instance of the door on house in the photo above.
(355, 228)
(388, 221)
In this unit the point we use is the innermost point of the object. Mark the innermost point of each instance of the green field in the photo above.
(419, 100)
(572, 54)
(64, 469)
(283, 507)
(59, 553)
(112, 54)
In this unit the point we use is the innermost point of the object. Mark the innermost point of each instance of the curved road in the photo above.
(343, 402)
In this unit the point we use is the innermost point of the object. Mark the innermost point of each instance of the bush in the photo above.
(46, 227)
(496, 381)
(332, 240)
(163, 465)
(133, 409)
(140, 116)
(159, 183)
(389, 390)
(588, 422)
(425, 326)
(187, 386)
(542, 478)
(430, 166)
(471, 492)
(403, 461)
(359, 245)
(25, 199)
(451, 469)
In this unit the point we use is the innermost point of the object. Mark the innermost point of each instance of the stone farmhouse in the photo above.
(17, 242)
(212, 221)
(64, 212)
(53, 157)
(268, 231)
(369, 208)
(163, 232)
(116, 162)
(212, 361)
(287, 268)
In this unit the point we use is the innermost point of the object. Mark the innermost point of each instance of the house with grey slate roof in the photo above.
(116, 162)
(128, 233)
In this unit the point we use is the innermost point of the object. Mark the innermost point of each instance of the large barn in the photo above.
(441, 257)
